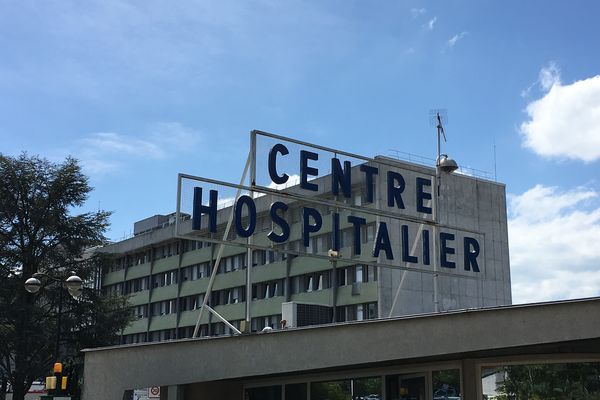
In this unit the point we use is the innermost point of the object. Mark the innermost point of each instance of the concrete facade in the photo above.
(468, 340)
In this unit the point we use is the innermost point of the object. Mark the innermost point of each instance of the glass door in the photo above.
(406, 387)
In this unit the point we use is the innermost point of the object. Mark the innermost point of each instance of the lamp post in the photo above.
(74, 286)
(445, 164)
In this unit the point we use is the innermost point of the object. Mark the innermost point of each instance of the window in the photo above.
(446, 384)
(370, 232)
(358, 274)
(295, 391)
(357, 312)
(258, 257)
(140, 311)
(265, 393)
(535, 381)
(186, 274)
(114, 290)
(341, 390)
(357, 199)
(371, 273)
(163, 307)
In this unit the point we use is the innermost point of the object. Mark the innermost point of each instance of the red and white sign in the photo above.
(154, 392)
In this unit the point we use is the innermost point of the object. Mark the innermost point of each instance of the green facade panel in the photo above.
(137, 326)
(264, 307)
(195, 257)
(165, 264)
(138, 298)
(164, 293)
(194, 287)
(366, 293)
(317, 297)
(138, 271)
(268, 272)
(230, 279)
(113, 277)
(306, 265)
(163, 322)
(231, 312)
(189, 318)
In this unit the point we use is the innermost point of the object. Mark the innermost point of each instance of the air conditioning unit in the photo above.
(298, 314)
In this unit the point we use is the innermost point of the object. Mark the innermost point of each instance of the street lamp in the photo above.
(74, 285)
(447, 165)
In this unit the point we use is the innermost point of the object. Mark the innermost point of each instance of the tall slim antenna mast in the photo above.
(437, 118)
(495, 172)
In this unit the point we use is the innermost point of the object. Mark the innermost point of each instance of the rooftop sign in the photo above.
(393, 224)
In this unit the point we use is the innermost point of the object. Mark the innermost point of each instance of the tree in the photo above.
(570, 381)
(39, 232)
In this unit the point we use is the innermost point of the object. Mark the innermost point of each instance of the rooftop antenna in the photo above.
(439, 117)
(495, 172)
(445, 164)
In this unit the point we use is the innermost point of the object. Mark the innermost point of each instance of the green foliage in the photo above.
(574, 381)
(335, 390)
(41, 232)
(367, 386)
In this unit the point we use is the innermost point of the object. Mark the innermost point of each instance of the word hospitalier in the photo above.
(312, 221)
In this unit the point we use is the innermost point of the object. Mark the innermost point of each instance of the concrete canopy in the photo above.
(562, 328)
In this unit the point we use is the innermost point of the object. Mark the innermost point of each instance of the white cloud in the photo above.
(431, 23)
(225, 202)
(415, 12)
(113, 143)
(565, 122)
(454, 39)
(553, 244)
(292, 181)
(549, 76)
(105, 152)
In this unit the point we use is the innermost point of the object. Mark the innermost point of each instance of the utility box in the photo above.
(305, 314)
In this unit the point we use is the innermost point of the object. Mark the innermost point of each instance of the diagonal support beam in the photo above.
(218, 260)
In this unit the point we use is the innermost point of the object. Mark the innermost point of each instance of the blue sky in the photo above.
(140, 91)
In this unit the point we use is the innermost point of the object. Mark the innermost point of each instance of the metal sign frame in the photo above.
(253, 188)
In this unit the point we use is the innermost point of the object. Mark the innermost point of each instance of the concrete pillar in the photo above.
(470, 379)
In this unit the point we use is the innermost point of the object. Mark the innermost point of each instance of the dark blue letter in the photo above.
(425, 238)
(422, 196)
(382, 242)
(356, 222)
(237, 210)
(369, 172)
(444, 251)
(406, 257)
(335, 231)
(305, 170)
(471, 255)
(307, 228)
(281, 149)
(285, 227)
(198, 209)
(341, 178)
(394, 193)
